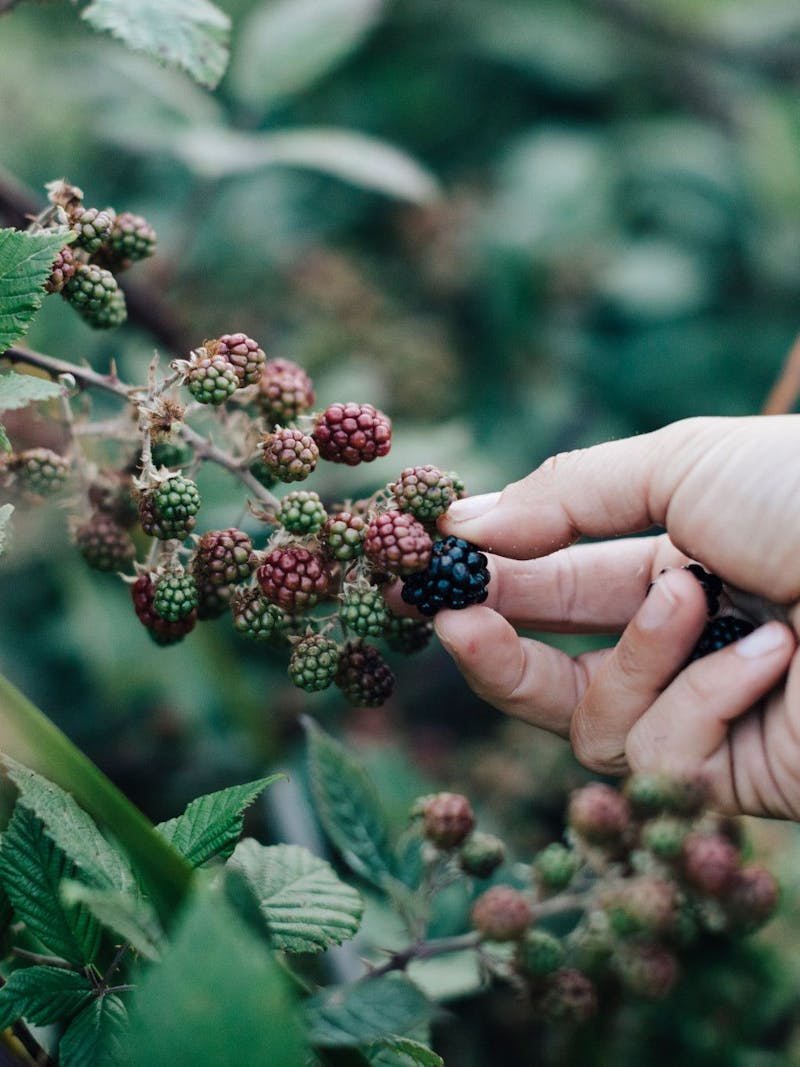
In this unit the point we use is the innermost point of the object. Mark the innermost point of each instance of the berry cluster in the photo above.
(644, 873)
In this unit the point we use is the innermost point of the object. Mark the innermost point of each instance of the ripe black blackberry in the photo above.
(719, 633)
(456, 577)
(711, 583)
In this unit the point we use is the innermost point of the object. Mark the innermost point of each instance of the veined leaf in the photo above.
(285, 46)
(305, 905)
(72, 830)
(26, 260)
(211, 825)
(216, 990)
(370, 1010)
(349, 807)
(19, 390)
(192, 34)
(96, 1037)
(402, 1052)
(6, 511)
(32, 868)
(42, 995)
(131, 918)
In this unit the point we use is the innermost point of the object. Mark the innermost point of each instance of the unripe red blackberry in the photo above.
(211, 379)
(645, 904)
(224, 557)
(457, 576)
(103, 544)
(294, 578)
(63, 269)
(363, 676)
(751, 897)
(314, 663)
(539, 953)
(161, 631)
(363, 612)
(242, 352)
(598, 814)
(284, 391)
(352, 433)
(301, 512)
(290, 454)
(132, 238)
(571, 997)
(40, 471)
(168, 510)
(555, 867)
(407, 635)
(91, 225)
(90, 289)
(709, 863)
(115, 496)
(501, 914)
(648, 970)
(447, 819)
(664, 836)
(256, 617)
(481, 854)
(174, 596)
(424, 491)
(396, 542)
(342, 536)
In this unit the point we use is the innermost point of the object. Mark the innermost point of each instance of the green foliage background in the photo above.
(615, 246)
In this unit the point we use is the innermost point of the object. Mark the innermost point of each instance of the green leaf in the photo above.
(19, 390)
(32, 868)
(285, 46)
(217, 995)
(192, 34)
(5, 444)
(26, 260)
(96, 1037)
(368, 1011)
(211, 825)
(6, 511)
(130, 918)
(349, 807)
(42, 995)
(402, 1052)
(306, 906)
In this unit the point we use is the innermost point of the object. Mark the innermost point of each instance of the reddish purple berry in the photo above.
(352, 433)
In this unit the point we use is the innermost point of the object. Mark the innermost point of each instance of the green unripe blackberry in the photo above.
(290, 454)
(263, 474)
(539, 953)
(555, 867)
(256, 617)
(160, 630)
(364, 612)
(664, 836)
(92, 227)
(645, 904)
(109, 315)
(649, 794)
(168, 510)
(40, 471)
(342, 536)
(90, 290)
(131, 238)
(301, 512)
(212, 379)
(424, 491)
(313, 663)
(481, 854)
(175, 596)
(104, 544)
(170, 454)
(407, 635)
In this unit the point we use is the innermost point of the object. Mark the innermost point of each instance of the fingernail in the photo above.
(658, 605)
(761, 641)
(472, 507)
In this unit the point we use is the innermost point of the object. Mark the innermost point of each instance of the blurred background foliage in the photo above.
(519, 226)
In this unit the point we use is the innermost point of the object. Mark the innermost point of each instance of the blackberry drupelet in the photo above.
(456, 577)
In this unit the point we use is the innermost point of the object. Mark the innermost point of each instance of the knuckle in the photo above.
(592, 751)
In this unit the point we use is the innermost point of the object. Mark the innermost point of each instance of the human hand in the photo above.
(726, 492)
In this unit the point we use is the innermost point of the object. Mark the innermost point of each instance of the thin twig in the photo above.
(39, 958)
(425, 950)
(784, 393)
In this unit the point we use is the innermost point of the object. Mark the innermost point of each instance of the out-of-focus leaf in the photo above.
(367, 1011)
(402, 1052)
(654, 280)
(286, 45)
(95, 1038)
(43, 994)
(129, 917)
(19, 390)
(192, 34)
(6, 511)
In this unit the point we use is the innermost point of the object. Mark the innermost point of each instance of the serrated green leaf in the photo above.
(217, 996)
(286, 45)
(211, 825)
(349, 807)
(6, 511)
(42, 995)
(5, 444)
(72, 830)
(32, 868)
(402, 1052)
(96, 1037)
(306, 906)
(26, 260)
(370, 1010)
(19, 390)
(131, 918)
(191, 34)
